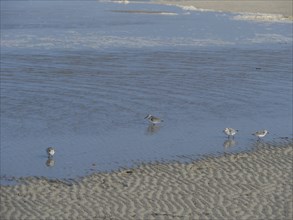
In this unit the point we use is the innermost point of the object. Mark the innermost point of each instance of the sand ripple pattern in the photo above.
(247, 185)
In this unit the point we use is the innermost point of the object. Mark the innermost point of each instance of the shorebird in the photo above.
(230, 132)
(260, 134)
(154, 120)
(50, 151)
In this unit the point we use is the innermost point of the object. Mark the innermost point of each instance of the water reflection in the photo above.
(152, 129)
(50, 162)
(229, 143)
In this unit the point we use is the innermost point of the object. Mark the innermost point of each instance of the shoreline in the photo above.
(246, 185)
(271, 10)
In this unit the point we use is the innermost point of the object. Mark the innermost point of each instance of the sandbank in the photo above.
(268, 10)
(246, 185)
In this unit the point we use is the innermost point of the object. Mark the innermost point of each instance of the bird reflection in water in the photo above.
(229, 143)
(152, 129)
(50, 162)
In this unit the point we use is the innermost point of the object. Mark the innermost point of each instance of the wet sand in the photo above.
(270, 9)
(247, 185)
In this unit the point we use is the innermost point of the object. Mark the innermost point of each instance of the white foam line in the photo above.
(262, 17)
(122, 2)
(270, 38)
(98, 41)
(192, 8)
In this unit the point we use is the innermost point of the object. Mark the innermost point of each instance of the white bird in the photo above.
(261, 133)
(154, 120)
(50, 151)
(230, 132)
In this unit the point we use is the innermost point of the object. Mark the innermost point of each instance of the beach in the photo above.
(81, 76)
(246, 185)
(272, 10)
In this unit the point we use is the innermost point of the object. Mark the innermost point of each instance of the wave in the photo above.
(262, 17)
(145, 12)
(270, 38)
(193, 8)
(94, 41)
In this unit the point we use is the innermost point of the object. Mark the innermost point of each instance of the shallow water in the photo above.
(84, 81)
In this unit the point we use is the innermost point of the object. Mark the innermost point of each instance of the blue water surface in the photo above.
(81, 76)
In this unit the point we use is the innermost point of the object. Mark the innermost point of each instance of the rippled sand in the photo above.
(251, 185)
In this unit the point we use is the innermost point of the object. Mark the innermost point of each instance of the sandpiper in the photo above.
(50, 151)
(261, 133)
(230, 132)
(154, 120)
